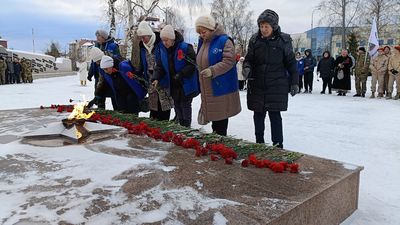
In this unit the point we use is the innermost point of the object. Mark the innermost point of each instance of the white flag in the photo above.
(373, 39)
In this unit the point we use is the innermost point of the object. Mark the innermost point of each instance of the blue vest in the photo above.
(136, 86)
(109, 81)
(191, 84)
(143, 58)
(228, 82)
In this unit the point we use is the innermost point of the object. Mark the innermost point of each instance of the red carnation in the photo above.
(294, 168)
(228, 161)
(177, 140)
(130, 75)
(284, 164)
(277, 168)
(260, 164)
(214, 158)
(198, 153)
(245, 163)
(60, 108)
(252, 159)
(70, 109)
(190, 143)
(167, 136)
(180, 55)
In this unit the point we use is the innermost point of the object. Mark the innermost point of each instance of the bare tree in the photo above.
(236, 19)
(341, 13)
(111, 15)
(176, 20)
(386, 13)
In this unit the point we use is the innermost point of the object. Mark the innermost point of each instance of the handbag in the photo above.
(201, 118)
(340, 75)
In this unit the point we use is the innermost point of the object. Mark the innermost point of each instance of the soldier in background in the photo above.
(379, 67)
(27, 71)
(3, 67)
(387, 52)
(10, 71)
(361, 72)
(17, 70)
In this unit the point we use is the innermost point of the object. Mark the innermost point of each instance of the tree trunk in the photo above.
(344, 24)
(111, 14)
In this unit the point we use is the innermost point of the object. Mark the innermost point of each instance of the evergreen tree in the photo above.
(352, 42)
(54, 50)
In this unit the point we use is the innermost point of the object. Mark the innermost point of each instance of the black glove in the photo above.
(294, 89)
(246, 72)
(394, 72)
(177, 77)
(89, 78)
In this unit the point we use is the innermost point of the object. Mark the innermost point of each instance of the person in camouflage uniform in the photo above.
(27, 71)
(394, 73)
(379, 68)
(3, 67)
(361, 72)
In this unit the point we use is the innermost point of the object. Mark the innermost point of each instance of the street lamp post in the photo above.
(312, 27)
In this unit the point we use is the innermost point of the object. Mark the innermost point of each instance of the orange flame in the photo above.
(78, 112)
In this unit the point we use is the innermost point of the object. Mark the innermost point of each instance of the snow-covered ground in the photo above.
(360, 131)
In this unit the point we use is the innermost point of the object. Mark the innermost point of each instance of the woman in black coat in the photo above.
(342, 80)
(271, 69)
(326, 67)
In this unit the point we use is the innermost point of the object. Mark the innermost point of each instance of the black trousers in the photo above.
(308, 81)
(276, 127)
(183, 111)
(220, 127)
(128, 103)
(301, 82)
(327, 81)
(242, 83)
(159, 114)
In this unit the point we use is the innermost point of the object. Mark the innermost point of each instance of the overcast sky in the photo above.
(65, 21)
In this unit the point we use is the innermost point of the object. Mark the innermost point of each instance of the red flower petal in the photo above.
(245, 163)
(277, 168)
(294, 168)
(228, 161)
(214, 158)
(180, 55)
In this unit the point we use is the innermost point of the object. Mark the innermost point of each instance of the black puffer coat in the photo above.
(326, 66)
(272, 67)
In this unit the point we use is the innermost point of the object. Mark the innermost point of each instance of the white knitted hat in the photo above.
(206, 22)
(168, 32)
(95, 54)
(144, 29)
(106, 62)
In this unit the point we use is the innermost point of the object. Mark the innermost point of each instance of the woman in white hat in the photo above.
(218, 77)
(176, 71)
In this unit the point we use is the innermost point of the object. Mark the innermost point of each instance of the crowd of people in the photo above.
(14, 71)
(336, 73)
(170, 74)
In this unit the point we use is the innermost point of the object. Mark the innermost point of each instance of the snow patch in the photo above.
(219, 219)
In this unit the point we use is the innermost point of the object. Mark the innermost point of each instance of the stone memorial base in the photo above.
(183, 189)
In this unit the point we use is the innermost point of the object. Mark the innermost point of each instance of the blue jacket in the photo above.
(135, 85)
(190, 83)
(143, 60)
(300, 67)
(110, 48)
(226, 83)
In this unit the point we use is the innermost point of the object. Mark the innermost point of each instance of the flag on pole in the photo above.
(373, 39)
